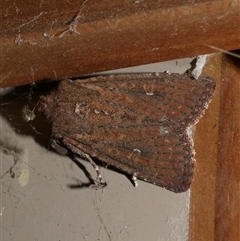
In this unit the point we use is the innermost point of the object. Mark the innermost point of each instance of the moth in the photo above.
(135, 122)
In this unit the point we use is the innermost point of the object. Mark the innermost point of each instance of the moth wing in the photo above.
(165, 160)
(157, 97)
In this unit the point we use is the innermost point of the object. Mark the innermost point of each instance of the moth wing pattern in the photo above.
(136, 123)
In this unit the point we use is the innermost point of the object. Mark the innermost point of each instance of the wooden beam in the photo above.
(215, 198)
(56, 39)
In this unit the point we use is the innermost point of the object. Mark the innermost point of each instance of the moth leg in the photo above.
(75, 150)
(134, 179)
(59, 149)
(98, 186)
(96, 168)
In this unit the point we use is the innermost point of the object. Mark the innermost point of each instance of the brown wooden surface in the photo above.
(55, 39)
(215, 193)
(227, 210)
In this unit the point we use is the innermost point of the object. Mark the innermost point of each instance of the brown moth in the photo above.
(135, 122)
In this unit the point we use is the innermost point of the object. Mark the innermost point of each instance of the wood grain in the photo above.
(57, 39)
(215, 198)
